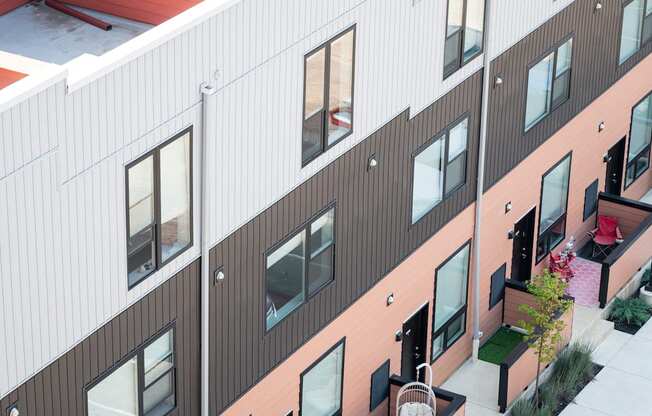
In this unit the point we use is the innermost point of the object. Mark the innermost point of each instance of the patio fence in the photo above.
(635, 222)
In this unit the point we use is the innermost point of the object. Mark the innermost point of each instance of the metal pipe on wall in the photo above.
(208, 110)
(486, 82)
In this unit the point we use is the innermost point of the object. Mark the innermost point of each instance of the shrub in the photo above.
(524, 407)
(573, 366)
(645, 279)
(631, 311)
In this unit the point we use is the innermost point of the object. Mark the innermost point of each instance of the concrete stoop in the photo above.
(589, 326)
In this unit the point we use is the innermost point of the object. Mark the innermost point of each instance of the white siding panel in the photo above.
(515, 19)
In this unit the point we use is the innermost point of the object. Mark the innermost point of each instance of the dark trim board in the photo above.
(373, 236)
(594, 69)
(60, 388)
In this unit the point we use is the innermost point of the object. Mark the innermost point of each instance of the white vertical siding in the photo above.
(512, 20)
(62, 197)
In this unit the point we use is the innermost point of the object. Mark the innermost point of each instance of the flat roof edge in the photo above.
(88, 68)
(40, 75)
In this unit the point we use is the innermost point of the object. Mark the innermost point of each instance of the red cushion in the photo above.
(607, 226)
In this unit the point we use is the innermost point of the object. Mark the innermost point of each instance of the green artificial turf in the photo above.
(500, 345)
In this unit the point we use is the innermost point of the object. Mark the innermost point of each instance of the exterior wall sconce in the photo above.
(598, 6)
(218, 276)
(390, 299)
(398, 336)
(14, 411)
(508, 207)
(606, 158)
(601, 127)
(372, 162)
(510, 234)
(498, 81)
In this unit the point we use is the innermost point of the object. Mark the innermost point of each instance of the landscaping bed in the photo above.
(500, 345)
(629, 315)
(572, 371)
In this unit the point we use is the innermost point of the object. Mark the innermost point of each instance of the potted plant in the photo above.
(630, 314)
(645, 293)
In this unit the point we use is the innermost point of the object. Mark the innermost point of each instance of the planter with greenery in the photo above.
(544, 328)
(645, 293)
(629, 315)
(569, 374)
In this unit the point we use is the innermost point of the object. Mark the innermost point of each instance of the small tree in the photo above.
(544, 329)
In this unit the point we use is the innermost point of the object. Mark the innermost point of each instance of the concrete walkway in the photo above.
(624, 386)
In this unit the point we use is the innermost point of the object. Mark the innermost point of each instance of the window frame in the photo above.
(554, 50)
(156, 226)
(463, 310)
(460, 46)
(546, 233)
(645, 151)
(643, 43)
(303, 228)
(139, 353)
(503, 271)
(341, 342)
(445, 135)
(324, 112)
(586, 215)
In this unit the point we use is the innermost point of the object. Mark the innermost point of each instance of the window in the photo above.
(439, 168)
(548, 84)
(321, 384)
(464, 32)
(497, 291)
(379, 386)
(159, 207)
(554, 201)
(300, 267)
(328, 95)
(449, 320)
(636, 27)
(640, 137)
(143, 385)
(590, 200)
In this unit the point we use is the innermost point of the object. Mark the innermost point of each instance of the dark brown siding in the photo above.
(373, 234)
(594, 69)
(59, 390)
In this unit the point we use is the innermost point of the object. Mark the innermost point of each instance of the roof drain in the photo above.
(208, 114)
(57, 5)
(486, 72)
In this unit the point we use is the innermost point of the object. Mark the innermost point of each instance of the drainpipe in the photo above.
(208, 113)
(486, 81)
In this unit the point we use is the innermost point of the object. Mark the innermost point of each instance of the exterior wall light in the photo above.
(601, 127)
(372, 162)
(508, 207)
(598, 6)
(390, 299)
(218, 275)
(498, 81)
(14, 412)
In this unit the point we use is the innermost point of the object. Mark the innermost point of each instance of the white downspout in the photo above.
(486, 82)
(208, 113)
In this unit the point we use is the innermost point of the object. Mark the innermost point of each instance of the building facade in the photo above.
(176, 248)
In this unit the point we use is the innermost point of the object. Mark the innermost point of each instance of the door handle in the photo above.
(523, 256)
(408, 332)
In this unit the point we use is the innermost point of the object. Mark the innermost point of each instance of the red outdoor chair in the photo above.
(605, 236)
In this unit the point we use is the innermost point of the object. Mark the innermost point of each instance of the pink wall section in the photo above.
(369, 326)
(522, 186)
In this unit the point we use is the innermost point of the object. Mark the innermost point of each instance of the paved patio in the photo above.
(624, 386)
(584, 287)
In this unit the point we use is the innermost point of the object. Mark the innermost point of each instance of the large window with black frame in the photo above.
(636, 27)
(328, 95)
(464, 33)
(322, 383)
(449, 319)
(142, 385)
(548, 83)
(640, 137)
(159, 206)
(554, 202)
(439, 168)
(299, 267)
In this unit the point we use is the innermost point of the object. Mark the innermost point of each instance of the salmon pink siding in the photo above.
(522, 186)
(369, 326)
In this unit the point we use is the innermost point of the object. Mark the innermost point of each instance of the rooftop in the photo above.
(58, 31)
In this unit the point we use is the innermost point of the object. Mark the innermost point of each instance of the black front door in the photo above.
(415, 334)
(522, 249)
(615, 161)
